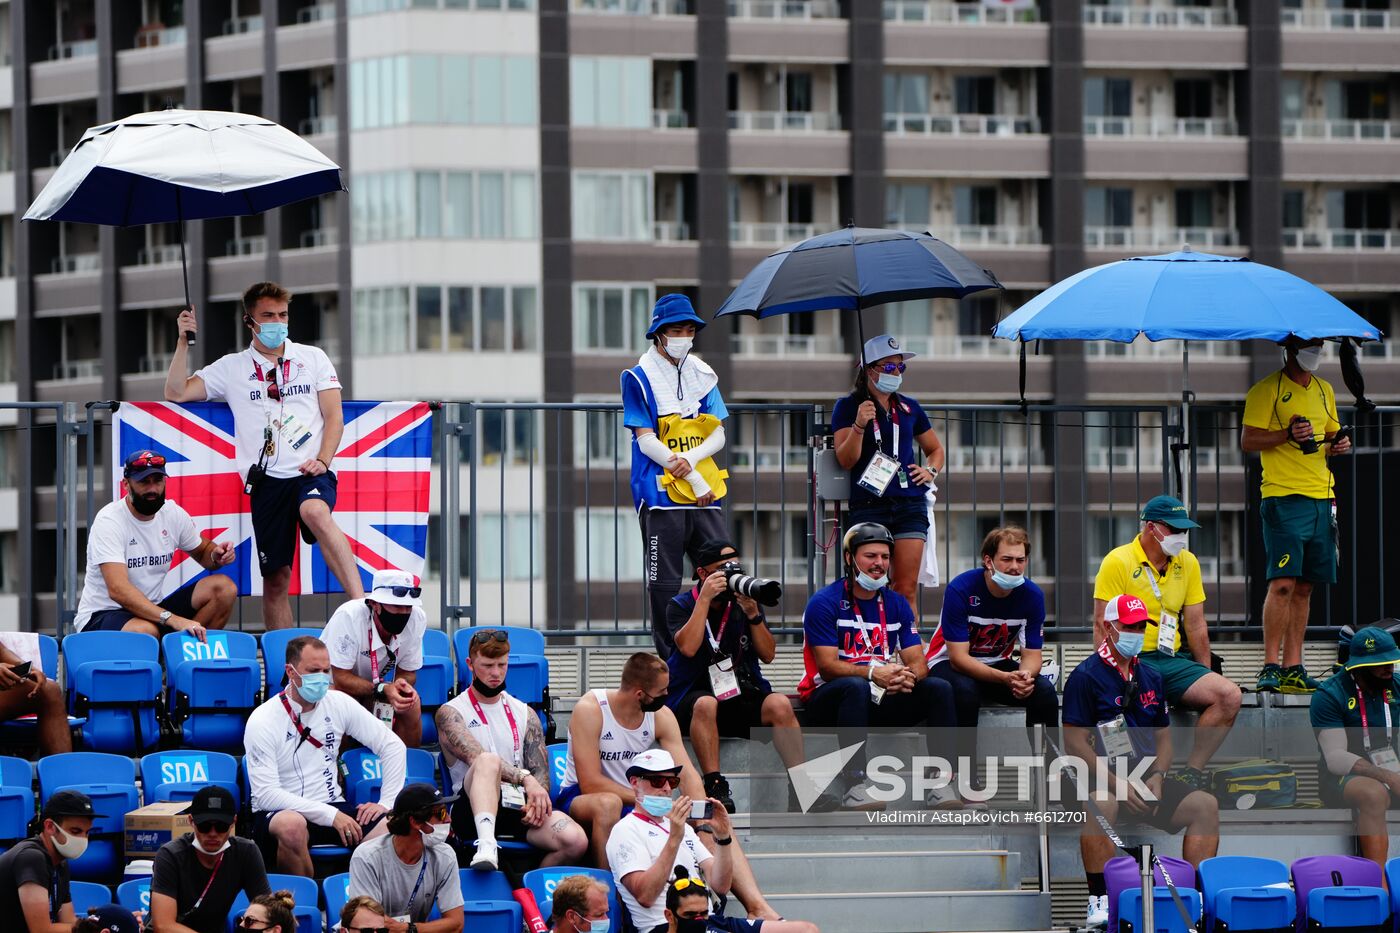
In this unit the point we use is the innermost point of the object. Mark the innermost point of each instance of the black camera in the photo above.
(1308, 446)
(767, 592)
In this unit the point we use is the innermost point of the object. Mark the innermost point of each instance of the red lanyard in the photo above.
(510, 718)
(306, 735)
(286, 371)
(715, 640)
(860, 623)
(1365, 726)
(207, 885)
(894, 427)
(664, 827)
(389, 661)
(1106, 653)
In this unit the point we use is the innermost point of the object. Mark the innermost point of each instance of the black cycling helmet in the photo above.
(865, 533)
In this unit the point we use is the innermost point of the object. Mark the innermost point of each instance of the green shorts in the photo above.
(1178, 672)
(1299, 540)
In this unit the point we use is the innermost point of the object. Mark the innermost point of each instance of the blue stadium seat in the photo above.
(436, 644)
(558, 762)
(25, 730)
(1167, 919)
(542, 882)
(492, 916)
(135, 895)
(337, 892)
(1349, 907)
(363, 777)
(1122, 873)
(178, 775)
(87, 894)
(305, 891)
(1392, 881)
(113, 799)
(522, 640)
(16, 800)
(274, 650)
(1237, 894)
(485, 886)
(213, 686)
(434, 684)
(115, 679)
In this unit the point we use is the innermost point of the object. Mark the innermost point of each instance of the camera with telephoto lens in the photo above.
(767, 592)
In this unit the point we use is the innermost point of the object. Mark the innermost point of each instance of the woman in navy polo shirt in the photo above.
(876, 430)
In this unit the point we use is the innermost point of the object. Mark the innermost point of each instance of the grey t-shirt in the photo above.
(376, 870)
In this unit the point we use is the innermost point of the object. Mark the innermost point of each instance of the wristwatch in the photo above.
(413, 928)
(379, 690)
(165, 616)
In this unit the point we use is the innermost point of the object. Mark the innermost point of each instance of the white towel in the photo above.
(928, 568)
(25, 645)
(696, 381)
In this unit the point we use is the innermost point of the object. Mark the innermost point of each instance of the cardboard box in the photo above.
(155, 824)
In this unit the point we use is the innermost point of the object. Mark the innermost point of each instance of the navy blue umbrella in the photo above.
(856, 268)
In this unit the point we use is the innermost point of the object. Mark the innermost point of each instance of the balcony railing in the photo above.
(960, 124)
(1339, 19)
(78, 262)
(1143, 17)
(670, 119)
(768, 121)
(1158, 237)
(1349, 130)
(153, 36)
(960, 346)
(317, 13)
(1341, 239)
(636, 7)
(783, 9)
(158, 255)
(941, 11)
(78, 369)
(246, 246)
(314, 239)
(769, 234)
(241, 24)
(79, 48)
(672, 231)
(990, 235)
(1142, 348)
(155, 363)
(1159, 127)
(1011, 456)
(324, 125)
(790, 345)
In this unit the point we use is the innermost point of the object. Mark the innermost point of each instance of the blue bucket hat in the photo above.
(673, 309)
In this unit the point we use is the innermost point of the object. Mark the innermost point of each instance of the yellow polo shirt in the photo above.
(1271, 405)
(1126, 569)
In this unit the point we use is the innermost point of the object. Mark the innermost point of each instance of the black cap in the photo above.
(415, 798)
(114, 918)
(710, 551)
(69, 803)
(212, 803)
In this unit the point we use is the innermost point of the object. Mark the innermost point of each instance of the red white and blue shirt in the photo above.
(992, 627)
(859, 630)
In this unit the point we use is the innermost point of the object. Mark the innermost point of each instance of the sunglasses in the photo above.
(213, 826)
(401, 591)
(149, 460)
(889, 368)
(245, 922)
(671, 781)
(495, 634)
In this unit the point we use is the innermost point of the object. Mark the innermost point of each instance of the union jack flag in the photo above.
(383, 472)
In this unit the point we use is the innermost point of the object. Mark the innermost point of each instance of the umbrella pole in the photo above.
(184, 268)
(1183, 444)
(860, 334)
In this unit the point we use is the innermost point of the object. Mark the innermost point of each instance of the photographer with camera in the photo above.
(717, 688)
(1290, 420)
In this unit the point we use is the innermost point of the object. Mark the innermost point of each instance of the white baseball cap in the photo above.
(653, 761)
(395, 588)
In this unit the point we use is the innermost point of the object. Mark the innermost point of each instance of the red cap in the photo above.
(1126, 610)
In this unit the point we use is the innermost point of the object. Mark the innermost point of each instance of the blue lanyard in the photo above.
(421, 872)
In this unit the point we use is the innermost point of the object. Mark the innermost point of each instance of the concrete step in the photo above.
(894, 843)
(919, 911)
(855, 872)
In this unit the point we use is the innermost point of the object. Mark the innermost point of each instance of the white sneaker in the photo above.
(485, 858)
(1097, 916)
(944, 798)
(858, 798)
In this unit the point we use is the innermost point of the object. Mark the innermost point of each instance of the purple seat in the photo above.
(1330, 871)
(1121, 874)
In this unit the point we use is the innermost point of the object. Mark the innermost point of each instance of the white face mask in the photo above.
(678, 347)
(1173, 545)
(198, 845)
(439, 834)
(1309, 358)
(70, 847)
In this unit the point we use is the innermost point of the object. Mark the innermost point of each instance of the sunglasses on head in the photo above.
(213, 826)
(680, 884)
(495, 634)
(149, 460)
(889, 368)
(401, 591)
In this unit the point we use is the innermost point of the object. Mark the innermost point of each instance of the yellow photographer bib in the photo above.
(682, 434)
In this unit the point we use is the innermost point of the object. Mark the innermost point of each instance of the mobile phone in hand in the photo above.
(701, 809)
(22, 670)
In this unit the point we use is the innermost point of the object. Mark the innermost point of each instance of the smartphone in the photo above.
(22, 670)
(1344, 431)
(701, 809)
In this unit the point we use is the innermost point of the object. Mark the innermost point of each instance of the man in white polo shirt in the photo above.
(285, 399)
(293, 743)
(376, 647)
(131, 547)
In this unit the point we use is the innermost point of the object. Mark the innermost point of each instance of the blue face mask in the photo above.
(887, 382)
(272, 335)
(1006, 581)
(313, 687)
(657, 805)
(1130, 643)
(873, 584)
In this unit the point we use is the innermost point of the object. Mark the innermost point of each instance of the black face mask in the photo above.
(483, 689)
(691, 925)
(394, 622)
(654, 704)
(148, 504)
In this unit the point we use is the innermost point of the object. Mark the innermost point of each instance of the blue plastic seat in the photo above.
(16, 800)
(1315, 872)
(135, 895)
(114, 680)
(543, 881)
(436, 644)
(558, 766)
(1122, 873)
(87, 894)
(1237, 893)
(112, 800)
(337, 891)
(1166, 918)
(178, 775)
(364, 778)
(1392, 881)
(213, 686)
(522, 640)
(274, 650)
(305, 891)
(1347, 907)
(485, 885)
(434, 684)
(499, 916)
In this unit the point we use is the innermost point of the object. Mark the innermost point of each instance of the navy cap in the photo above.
(114, 918)
(133, 472)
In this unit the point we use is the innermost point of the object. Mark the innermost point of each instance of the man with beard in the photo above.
(376, 647)
(1353, 715)
(131, 546)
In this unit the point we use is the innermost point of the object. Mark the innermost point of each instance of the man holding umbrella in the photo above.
(285, 399)
(1290, 420)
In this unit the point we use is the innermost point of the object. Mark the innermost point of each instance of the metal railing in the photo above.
(322, 236)
(242, 24)
(787, 345)
(960, 124)
(671, 119)
(316, 13)
(1142, 348)
(77, 262)
(772, 121)
(748, 233)
(323, 125)
(246, 246)
(1147, 17)
(1158, 237)
(963, 14)
(1350, 130)
(78, 48)
(153, 36)
(1340, 240)
(636, 7)
(1159, 127)
(158, 255)
(1339, 19)
(990, 235)
(961, 346)
(672, 231)
(784, 9)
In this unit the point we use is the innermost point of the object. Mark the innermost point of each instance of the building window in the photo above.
(1108, 207)
(1108, 97)
(452, 205)
(611, 317)
(382, 319)
(975, 205)
(975, 94)
(488, 318)
(612, 206)
(483, 90)
(606, 546)
(906, 205)
(906, 93)
(610, 91)
(1194, 208)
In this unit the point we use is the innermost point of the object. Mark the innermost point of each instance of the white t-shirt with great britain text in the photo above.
(241, 380)
(145, 548)
(634, 845)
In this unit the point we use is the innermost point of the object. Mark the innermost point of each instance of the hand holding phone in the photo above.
(701, 809)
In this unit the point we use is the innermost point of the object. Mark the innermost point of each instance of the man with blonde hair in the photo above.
(580, 906)
(363, 914)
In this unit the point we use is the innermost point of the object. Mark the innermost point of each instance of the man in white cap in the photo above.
(376, 647)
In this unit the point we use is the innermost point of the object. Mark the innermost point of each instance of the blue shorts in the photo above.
(180, 602)
(569, 794)
(905, 516)
(276, 509)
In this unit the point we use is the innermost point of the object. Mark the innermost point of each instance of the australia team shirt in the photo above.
(830, 621)
(991, 626)
(146, 549)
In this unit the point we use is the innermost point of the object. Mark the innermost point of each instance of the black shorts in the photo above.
(736, 716)
(1173, 793)
(510, 824)
(276, 509)
(318, 835)
(180, 602)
